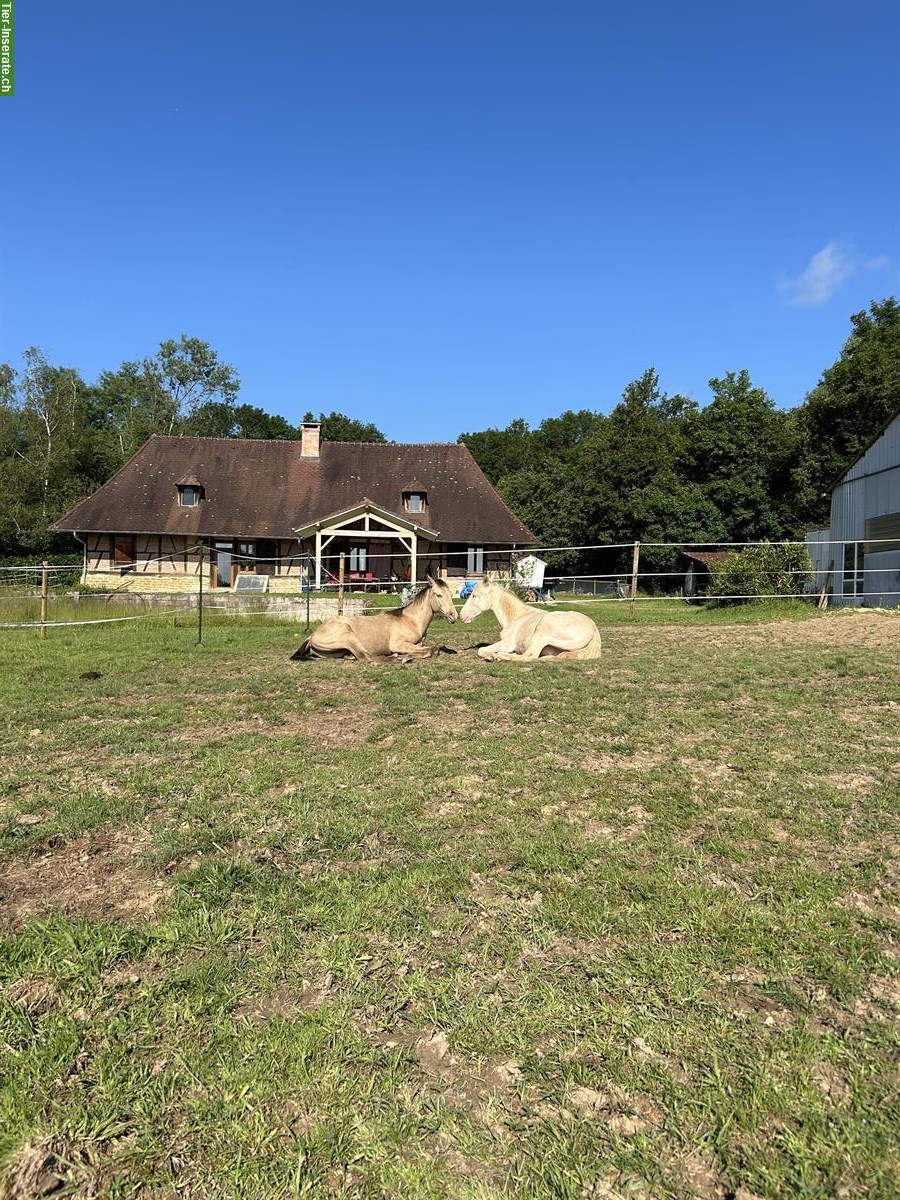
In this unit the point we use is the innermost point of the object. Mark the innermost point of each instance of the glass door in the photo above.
(223, 563)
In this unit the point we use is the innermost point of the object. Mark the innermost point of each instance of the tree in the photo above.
(740, 449)
(337, 427)
(182, 389)
(502, 452)
(48, 455)
(189, 372)
(252, 422)
(855, 397)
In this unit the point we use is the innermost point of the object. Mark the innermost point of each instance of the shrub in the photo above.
(32, 579)
(772, 569)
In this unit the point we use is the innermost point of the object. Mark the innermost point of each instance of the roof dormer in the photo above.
(190, 492)
(415, 498)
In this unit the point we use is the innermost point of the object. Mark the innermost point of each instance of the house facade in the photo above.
(857, 558)
(288, 510)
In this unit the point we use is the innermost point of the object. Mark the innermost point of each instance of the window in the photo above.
(415, 502)
(883, 534)
(475, 560)
(854, 568)
(188, 495)
(357, 558)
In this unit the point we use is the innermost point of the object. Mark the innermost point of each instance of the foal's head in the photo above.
(440, 597)
(478, 602)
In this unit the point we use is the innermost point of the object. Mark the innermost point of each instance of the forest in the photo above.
(656, 467)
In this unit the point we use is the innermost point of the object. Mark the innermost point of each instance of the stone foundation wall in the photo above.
(172, 582)
(284, 608)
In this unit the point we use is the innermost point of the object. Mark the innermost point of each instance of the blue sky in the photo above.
(442, 217)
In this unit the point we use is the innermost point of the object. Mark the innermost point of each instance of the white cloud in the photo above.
(825, 273)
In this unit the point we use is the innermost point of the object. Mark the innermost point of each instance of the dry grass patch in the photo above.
(100, 874)
(50, 1167)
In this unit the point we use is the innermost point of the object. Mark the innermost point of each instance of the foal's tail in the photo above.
(304, 652)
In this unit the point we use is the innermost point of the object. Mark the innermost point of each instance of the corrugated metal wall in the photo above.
(871, 488)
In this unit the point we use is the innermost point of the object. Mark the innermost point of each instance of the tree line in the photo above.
(61, 438)
(657, 467)
(662, 468)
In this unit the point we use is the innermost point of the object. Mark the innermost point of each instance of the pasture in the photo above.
(626, 928)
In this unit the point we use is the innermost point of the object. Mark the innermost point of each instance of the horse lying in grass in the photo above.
(396, 631)
(528, 633)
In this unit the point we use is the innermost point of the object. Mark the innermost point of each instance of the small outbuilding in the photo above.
(699, 568)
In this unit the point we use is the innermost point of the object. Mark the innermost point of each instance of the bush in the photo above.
(772, 569)
(32, 579)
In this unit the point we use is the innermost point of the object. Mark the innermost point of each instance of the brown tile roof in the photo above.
(257, 488)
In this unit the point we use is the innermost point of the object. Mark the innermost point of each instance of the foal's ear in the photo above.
(430, 579)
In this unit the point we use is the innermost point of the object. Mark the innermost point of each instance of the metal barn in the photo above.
(862, 544)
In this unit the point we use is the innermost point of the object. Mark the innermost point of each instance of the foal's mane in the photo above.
(401, 608)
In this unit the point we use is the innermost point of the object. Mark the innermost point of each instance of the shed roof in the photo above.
(706, 558)
(263, 488)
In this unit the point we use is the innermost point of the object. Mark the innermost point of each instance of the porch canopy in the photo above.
(369, 526)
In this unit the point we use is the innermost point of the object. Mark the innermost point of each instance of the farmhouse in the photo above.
(858, 555)
(288, 509)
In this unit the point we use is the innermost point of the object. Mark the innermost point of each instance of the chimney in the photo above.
(309, 439)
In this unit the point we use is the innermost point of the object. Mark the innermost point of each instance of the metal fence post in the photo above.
(200, 598)
(45, 579)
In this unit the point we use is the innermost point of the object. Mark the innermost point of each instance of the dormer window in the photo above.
(415, 502)
(189, 494)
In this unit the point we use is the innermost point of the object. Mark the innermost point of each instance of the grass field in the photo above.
(453, 929)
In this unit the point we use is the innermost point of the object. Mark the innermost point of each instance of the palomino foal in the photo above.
(529, 633)
(399, 631)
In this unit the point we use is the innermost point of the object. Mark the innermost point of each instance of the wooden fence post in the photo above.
(823, 595)
(45, 579)
(635, 558)
(341, 584)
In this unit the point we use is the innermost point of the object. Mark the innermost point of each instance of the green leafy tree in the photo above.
(252, 422)
(48, 455)
(855, 397)
(182, 389)
(337, 427)
(740, 449)
(551, 504)
(503, 452)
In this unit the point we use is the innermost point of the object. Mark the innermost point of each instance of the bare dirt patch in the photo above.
(285, 1001)
(668, 1062)
(330, 728)
(617, 1110)
(861, 628)
(463, 1083)
(100, 874)
(831, 1082)
(639, 761)
(35, 996)
(745, 1000)
(51, 1167)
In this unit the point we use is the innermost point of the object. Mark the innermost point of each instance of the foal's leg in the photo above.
(415, 650)
(352, 643)
(495, 650)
